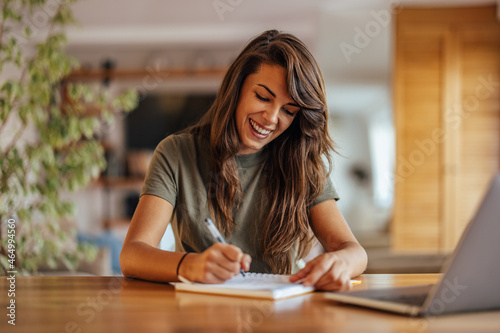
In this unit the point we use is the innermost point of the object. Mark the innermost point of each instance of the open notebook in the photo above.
(255, 285)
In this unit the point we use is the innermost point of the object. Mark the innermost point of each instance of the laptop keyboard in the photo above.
(415, 299)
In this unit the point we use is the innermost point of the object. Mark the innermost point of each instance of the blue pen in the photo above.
(213, 230)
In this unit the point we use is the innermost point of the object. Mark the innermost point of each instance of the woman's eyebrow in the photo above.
(274, 95)
(269, 90)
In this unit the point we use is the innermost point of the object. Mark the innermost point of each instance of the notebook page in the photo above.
(256, 281)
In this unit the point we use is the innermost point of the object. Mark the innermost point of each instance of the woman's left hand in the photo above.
(328, 271)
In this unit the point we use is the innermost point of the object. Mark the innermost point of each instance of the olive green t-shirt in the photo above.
(179, 173)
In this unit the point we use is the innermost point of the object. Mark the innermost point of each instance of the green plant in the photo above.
(49, 141)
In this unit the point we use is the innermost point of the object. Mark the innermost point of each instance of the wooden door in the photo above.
(447, 117)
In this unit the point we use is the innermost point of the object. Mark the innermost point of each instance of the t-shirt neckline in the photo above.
(249, 160)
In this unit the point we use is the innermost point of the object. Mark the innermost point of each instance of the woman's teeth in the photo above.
(259, 129)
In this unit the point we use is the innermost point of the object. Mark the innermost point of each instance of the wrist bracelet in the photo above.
(180, 261)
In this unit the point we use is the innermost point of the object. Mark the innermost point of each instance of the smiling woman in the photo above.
(254, 164)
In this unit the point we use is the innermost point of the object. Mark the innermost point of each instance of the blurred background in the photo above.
(175, 53)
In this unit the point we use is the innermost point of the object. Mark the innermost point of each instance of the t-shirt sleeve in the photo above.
(329, 192)
(162, 177)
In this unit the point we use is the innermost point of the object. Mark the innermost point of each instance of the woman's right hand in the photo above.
(218, 263)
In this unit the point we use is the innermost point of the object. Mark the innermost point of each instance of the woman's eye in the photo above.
(288, 112)
(262, 98)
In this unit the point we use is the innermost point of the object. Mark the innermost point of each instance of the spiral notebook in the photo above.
(255, 285)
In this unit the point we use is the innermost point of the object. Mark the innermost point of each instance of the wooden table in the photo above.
(115, 304)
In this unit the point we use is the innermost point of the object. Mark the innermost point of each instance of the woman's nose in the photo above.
(271, 114)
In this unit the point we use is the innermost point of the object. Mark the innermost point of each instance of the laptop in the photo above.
(471, 276)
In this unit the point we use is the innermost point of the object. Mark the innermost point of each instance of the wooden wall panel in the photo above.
(480, 100)
(447, 129)
(420, 82)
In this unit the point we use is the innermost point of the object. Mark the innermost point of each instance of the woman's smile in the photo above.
(259, 131)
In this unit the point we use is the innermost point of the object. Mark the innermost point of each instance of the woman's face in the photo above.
(265, 109)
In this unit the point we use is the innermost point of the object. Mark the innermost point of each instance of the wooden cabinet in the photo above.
(447, 117)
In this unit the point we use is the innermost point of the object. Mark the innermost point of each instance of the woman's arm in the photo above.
(344, 258)
(140, 257)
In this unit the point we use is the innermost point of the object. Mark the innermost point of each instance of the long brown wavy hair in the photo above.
(294, 167)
